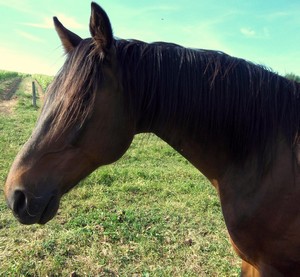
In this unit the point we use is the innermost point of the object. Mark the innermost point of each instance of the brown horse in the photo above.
(237, 122)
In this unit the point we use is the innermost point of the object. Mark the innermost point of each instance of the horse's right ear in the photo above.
(69, 39)
(100, 28)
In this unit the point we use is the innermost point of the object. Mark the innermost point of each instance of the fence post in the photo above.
(33, 95)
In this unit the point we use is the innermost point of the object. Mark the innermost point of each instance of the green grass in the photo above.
(149, 214)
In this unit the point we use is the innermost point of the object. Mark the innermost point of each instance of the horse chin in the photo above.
(50, 211)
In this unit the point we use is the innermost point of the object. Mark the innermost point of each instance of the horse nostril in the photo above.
(19, 203)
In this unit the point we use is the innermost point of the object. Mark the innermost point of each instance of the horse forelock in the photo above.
(72, 93)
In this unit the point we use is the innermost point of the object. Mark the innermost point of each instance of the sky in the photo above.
(265, 32)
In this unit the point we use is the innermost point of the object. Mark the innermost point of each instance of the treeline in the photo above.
(292, 76)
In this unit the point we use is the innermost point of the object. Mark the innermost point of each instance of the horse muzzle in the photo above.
(30, 209)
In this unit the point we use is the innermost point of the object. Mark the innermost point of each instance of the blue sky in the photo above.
(262, 31)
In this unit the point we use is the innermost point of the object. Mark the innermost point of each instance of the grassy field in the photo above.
(149, 214)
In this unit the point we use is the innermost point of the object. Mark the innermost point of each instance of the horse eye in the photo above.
(76, 134)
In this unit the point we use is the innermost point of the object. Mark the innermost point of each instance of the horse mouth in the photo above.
(49, 211)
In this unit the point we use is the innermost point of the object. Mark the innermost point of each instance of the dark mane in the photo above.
(209, 94)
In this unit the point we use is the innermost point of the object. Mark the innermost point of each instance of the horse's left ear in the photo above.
(68, 38)
(100, 28)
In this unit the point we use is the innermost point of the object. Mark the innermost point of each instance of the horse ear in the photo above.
(100, 28)
(69, 39)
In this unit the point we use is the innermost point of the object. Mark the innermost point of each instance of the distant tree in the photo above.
(293, 77)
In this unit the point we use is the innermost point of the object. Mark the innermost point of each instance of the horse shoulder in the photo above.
(263, 215)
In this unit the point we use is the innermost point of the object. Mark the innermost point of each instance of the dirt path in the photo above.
(7, 91)
(8, 88)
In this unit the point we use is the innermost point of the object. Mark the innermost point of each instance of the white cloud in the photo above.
(69, 22)
(248, 32)
(47, 22)
(28, 36)
(263, 33)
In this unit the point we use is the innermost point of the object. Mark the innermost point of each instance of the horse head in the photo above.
(83, 124)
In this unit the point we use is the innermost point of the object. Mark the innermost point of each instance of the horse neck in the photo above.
(161, 100)
(196, 102)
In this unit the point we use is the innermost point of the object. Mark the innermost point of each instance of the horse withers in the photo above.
(236, 122)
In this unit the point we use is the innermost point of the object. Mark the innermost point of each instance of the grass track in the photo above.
(149, 214)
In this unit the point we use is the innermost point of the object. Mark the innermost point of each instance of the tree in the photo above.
(293, 77)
